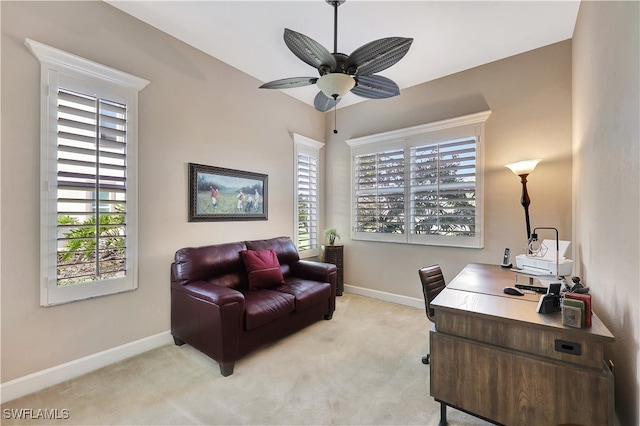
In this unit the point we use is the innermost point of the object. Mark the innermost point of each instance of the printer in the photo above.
(548, 263)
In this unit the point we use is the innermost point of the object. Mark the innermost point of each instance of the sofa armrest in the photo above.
(316, 271)
(213, 293)
(210, 318)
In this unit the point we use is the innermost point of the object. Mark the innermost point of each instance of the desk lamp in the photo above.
(523, 169)
(534, 239)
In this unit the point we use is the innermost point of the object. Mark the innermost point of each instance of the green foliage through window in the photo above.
(93, 248)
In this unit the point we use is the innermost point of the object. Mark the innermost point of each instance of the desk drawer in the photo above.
(567, 345)
(512, 388)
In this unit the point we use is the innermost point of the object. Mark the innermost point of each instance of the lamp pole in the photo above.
(523, 169)
(525, 201)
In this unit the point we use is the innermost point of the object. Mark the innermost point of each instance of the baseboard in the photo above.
(63, 372)
(383, 295)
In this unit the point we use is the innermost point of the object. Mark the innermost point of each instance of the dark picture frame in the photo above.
(219, 194)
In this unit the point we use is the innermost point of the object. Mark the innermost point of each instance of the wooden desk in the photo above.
(494, 356)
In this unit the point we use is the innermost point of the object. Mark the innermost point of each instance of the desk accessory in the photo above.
(524, 281)
(536, 288)
(573, 313)
(554, 288)
(548, 304)
(577, 287)
(586, 299)
(505, 259)
(514, 291)
(572, 316)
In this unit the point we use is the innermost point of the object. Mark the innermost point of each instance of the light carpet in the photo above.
(361, 368)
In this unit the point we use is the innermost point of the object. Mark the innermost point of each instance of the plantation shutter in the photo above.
(307, 185)
(421, 184)
(91, 188)
(443, 188)
(379, 183)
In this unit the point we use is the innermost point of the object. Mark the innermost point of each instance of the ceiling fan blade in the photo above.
(309, 50)
(379, 54)
(288, 83)
(375, 87)
(323, 103)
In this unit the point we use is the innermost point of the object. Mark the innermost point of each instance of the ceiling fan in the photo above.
(340, 73)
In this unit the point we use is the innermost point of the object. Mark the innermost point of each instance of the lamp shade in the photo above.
(335, 85)
(523, 167)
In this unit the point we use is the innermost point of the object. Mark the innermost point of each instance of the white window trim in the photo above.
(468, 125)
(57, 64)
(305, 145)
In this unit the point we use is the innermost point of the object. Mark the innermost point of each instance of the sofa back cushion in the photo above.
(222, 264)
(207, 263)
(284, 248)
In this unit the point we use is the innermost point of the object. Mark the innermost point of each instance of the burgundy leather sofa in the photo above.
(215, 310)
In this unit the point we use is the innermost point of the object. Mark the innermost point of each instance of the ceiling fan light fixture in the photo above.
(335, 85)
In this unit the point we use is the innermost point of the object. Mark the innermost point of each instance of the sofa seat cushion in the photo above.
(264, 306)
(307, 293)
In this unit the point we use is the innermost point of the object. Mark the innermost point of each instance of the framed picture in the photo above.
(218, 194)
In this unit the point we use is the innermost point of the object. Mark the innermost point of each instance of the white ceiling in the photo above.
(449, 36)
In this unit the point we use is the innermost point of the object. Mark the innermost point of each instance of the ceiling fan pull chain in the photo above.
(335, 119)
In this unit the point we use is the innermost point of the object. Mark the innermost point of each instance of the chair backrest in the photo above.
(432, 284)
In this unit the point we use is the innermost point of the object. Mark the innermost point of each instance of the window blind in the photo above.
(91, 188)
(307, 188)
(443, 188)
(379, 183)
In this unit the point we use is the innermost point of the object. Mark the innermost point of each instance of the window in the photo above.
(421, 185)
(88, 169)
(307, 159)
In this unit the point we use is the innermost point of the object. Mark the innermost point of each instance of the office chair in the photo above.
(432, 284)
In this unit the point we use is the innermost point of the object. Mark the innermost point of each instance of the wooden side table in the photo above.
(335, 254)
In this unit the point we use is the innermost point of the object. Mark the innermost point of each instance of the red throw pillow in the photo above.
(263, 268)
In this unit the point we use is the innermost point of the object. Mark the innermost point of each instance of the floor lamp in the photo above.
(523, 169)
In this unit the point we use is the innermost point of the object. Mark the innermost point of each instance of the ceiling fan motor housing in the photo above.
(342, 65)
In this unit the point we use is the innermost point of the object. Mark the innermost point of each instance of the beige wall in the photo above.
(196, 109)
(606, 174)
(530, 99)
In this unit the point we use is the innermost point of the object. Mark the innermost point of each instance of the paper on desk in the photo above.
(551, 249)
